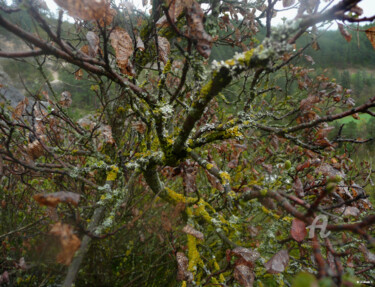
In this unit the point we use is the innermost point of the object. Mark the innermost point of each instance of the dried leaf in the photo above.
(248, 255)
(68, 240)
(345, 33)
(189, 176)
(298, 187)
(244, 275)
(287, 3)
(356, 116)
(123, 45)
(53, 199)
(298, 230)
(194, 16)
(310, 59)
(93, 40)
(65, 99)
(140, 45)
(164, 49)
(78, 75)
(182, 263)
(35, 149)
(88, 10)
(139, 126)
(315, 46)
(370, 33)
(369, 256)
(20, 109)
(106, 134)
(278, 262)
(190, 230)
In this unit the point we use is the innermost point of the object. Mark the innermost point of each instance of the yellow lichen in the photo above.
(112, 174)
(225, 177)
(193, 254)
(209, 166)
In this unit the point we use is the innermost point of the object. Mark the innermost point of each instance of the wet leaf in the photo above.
(298, 230)
(190, 230)
(278, 262)
(244, 275)
(123, 45)
(68, 240)
(182, 263)
(53, 199)
(298, 187)
(246, 254)
(345, 33)
(194, 16)
(370, 33)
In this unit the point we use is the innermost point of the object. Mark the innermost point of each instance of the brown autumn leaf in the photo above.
(53, 199)
(20, 109)
(345, 33)
(287, 3)
(298, 230)
(190, 230)
(35, 148)
(139, 126)
(182, 263)
(79, 74)
(244, 275)
(68, 240)
(88, 10)
(164, 49)
(194, 17)
(65, 99)
(123, 46)
(370, 33)
(298, 187)
(93, 41)
(315, 46)
(248, 255)
(278, 262)
(356, 116)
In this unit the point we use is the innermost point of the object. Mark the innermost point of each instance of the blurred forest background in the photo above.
(352, 65)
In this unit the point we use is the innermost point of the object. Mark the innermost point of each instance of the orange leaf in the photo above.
(345, 33)
(370, 33)
(68, 240)
(53, 199)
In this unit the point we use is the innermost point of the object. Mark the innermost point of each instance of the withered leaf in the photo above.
(53, 199)
(345, 33)
(88, 10)
(93, 40)
(163, 49)
(244, 275)
(246, 254)
(68, 240)
(194, 17)
(370, 33)
(65, 99)
(123, 45)
(369, 256)
(287, 3)
(182, 263)
(278, 262)
(190, 230)
(298, 187)
(20, 108)
(298, 230)
(78, 75)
